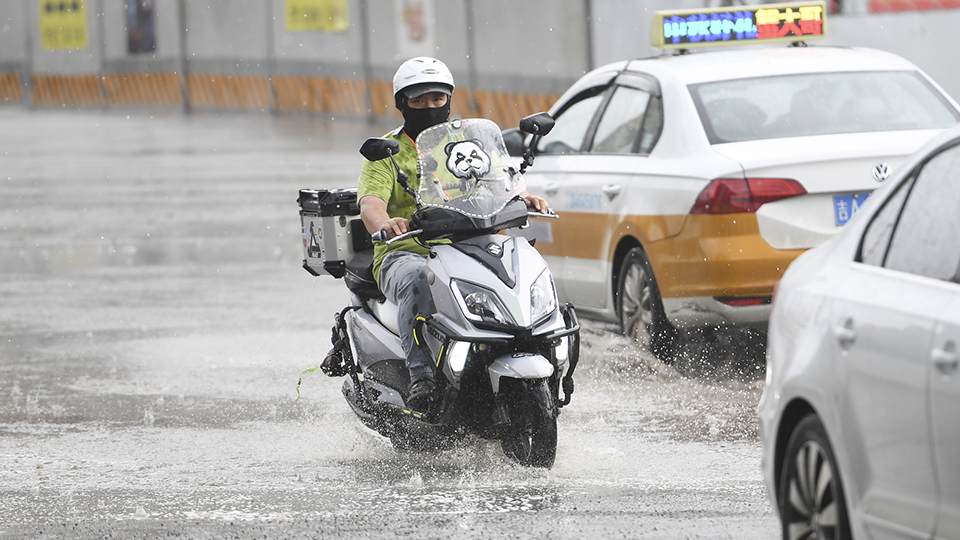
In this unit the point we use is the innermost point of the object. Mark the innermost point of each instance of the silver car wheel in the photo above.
(807, 490)
(812, 505)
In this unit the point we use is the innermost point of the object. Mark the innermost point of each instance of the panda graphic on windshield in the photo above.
(467, 159)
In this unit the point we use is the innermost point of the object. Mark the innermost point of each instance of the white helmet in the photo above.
(426, 74)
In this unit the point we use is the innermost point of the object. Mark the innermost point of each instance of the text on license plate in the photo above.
(847, 206)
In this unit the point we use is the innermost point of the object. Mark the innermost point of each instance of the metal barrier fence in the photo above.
(279, 94)
(329, 57)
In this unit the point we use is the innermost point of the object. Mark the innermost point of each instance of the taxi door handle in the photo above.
(611, 191)
(946, 359)
(551, 188)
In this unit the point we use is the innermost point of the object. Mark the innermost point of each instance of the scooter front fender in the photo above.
(518, 366)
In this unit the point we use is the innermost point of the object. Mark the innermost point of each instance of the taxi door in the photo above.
(587, 185)
(551, 173)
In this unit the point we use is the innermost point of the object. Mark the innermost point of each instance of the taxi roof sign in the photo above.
(689, 28)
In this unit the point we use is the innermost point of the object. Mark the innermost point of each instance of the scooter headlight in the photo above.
(457, 356)
(543, 297)
(481, 305)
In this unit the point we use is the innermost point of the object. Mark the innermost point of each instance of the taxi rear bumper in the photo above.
(717, 256)
(718, 271)
(703, 311)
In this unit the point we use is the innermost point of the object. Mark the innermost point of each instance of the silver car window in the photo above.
(819, 104)
(567, 135)
(620, 124)
(873, 249)
(926, 239)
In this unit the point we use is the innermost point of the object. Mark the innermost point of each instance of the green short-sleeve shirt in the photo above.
(379, 179)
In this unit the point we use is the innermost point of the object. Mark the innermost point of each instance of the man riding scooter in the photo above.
(422, 90)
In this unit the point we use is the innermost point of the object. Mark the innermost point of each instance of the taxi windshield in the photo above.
(463, 164)
(819, 104)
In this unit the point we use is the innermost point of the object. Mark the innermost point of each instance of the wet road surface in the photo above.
(154, 322)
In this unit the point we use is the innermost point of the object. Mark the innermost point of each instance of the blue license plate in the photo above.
(847, 206)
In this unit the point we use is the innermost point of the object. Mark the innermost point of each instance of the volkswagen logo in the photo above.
(495, 249)
(881, 171)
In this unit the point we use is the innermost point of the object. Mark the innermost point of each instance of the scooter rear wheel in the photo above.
(531, 436)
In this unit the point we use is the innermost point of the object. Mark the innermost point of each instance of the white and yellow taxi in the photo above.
(687, 182)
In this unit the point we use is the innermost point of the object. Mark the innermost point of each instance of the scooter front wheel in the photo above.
(531, 435)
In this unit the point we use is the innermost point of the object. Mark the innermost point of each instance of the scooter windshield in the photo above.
(464, 166)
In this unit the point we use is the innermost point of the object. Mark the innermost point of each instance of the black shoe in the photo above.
(332, 365)
(422, 392)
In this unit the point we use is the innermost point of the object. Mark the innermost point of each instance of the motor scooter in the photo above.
(505, 351)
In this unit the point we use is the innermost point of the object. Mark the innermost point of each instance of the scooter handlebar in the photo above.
(384, 236)
(549, 214)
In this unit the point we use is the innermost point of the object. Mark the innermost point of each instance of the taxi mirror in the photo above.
(429, 165)
(513, 139)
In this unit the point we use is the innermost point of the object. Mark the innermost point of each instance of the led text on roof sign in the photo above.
(689, 28)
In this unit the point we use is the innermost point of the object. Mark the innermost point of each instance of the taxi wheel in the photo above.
(640, 309)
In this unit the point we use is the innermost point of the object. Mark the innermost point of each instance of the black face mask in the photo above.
(417, 120)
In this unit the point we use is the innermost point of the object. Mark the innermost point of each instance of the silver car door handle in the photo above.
(946, 359)
(551, 188)
(845, 333)
(611, 191)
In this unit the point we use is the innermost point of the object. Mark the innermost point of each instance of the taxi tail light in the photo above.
(739, 195)
(745, 301)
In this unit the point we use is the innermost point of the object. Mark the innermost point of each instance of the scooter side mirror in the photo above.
(375, 149)
(537, 124)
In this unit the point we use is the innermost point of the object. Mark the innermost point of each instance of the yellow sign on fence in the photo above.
(317, 15)
(63, 24)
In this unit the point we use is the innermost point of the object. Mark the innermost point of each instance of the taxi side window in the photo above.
(652, 126)
(567, 135)
(619, 128)
(924, 240)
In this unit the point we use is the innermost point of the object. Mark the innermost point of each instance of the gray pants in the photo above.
(403, 280)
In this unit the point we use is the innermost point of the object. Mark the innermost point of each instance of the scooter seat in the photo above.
(386, 312)
(359, 276)
(359, 280)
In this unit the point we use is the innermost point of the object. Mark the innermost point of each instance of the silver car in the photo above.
(857, 420)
